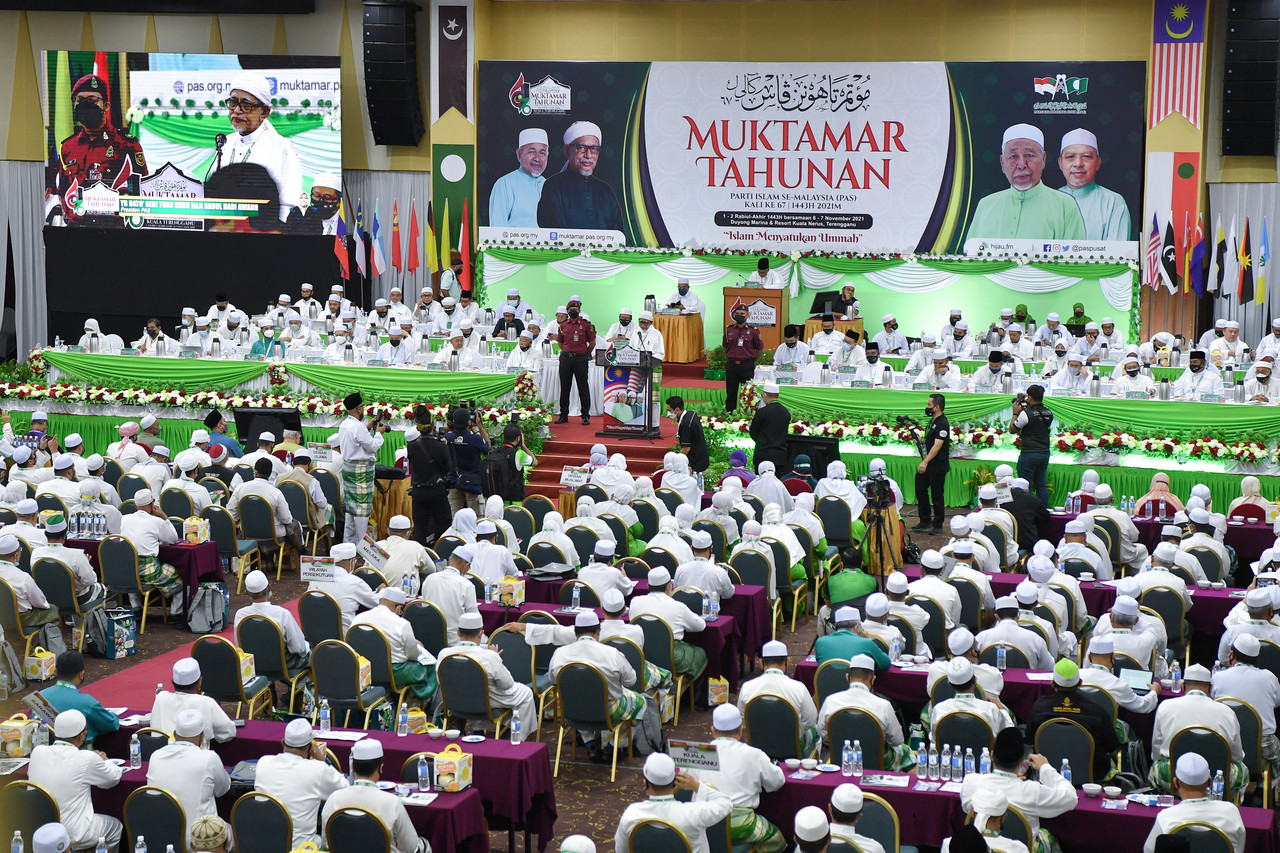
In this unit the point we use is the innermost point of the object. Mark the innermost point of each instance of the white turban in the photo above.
(579, 129)
(1079, 136)
(531, 135)
(1023, 131)
(253, 83)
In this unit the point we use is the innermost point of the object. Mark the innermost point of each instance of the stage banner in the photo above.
(988, 158)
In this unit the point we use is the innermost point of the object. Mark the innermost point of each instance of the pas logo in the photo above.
(548, 96)
(1061, 84)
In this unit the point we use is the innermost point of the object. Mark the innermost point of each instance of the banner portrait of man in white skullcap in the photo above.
(255, 139)
(513, 202)
(575, 198)
(1106, 216)
(1027, 209)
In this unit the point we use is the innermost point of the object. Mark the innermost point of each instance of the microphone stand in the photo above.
(219, 141)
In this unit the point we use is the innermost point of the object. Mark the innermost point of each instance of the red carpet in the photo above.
(133, 687)
(570, 444)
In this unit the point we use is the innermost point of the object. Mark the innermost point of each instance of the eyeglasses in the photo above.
(89, 99)
(243, 104)
(586, 149)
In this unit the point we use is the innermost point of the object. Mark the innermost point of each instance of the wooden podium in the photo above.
(767, 310)
(629, 392)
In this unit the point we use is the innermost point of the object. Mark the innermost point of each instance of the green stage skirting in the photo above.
(1224, 421)
(712, 398)
(397, 385)
(121, 371)
(968, 366)
(98, 432)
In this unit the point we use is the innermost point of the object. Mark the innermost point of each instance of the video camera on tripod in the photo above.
(878, 491)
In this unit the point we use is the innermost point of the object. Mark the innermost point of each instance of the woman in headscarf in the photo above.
(804, 516)
(552, 532)
(837, 484)
(493, 507)
(613, 475)
(682, 483)
(619, 505)
(1088, 482)
(668, 539)
(1078, 317)
(90, 329)
(1164, 503)
(599, 457)
(645, 492)
(464, 526)
(686, 515)
(877, 468)
(768, 488)
(738, 467)
(751, 542)
(733, 485)
(1251, 495)
(586, 517)
(800, 479)
(721, 504)
(667, 459)
(1201, 491)
(773, 528)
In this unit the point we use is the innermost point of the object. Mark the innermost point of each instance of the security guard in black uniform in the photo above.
(429, 465)
(931, 474)
(1032, 419)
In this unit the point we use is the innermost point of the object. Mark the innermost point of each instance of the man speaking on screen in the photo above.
(574, 198)
(255, 139)
(97, 151)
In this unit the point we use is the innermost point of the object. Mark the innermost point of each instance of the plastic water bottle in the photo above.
(922, 763)
(16, 846)
(701, 483)
(488, 593)
(577, 596)
(1176, 674)
(968, 761)
(1002, 657)
(944, 766)
(102, 844)
(424, 774)
(934, 772)
(895, 648)
(984, 763)
(857, 758)
(402, 724)
(957, 763)
(406, 586)
(135, 752)
(715, 604)
(326, 721)
(1066, 770)
(846, 759)
(1218, 785)
(159, 688)
(516, 735)
(706, 606)
(57, 341)
(168, 848)
(141, 846)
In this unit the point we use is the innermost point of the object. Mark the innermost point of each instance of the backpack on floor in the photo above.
(208, 610)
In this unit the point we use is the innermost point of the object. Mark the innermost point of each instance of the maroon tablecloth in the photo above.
(193, 563)
(449, 822)
(514, 782)
(1249, 538)
(720, 639)
(1208, 606)
(925, 818)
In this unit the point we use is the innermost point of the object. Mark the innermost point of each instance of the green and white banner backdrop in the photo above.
(614, 279)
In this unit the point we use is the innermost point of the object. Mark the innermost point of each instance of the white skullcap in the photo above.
(1247, 644)
(470, 621)
(142, 497)
(1040, 569)
(877, 605)
(1258, 597)
(603, 548)
(1199, 673)
(726, 718)
(1107, 321)
(963, 325)
(63, 461)
(987, 492)
(1103, 492)
(960, 525)
(962, 547)
(380, 303)
(1053, 315)
(255, 581)
(486, 528)
(1023, 131)
(53, 838)
(701, 540)
(22, 454)
(887, 318)
(579, 129)
(959, 671)
(343, 551)
(68, 724)
(368, 749)
(1125, 605)
(862, 662)
(586, 619)
(1232, 324)
(1103, 645)
(1043, 548)
(1200, 516)
(73, 440)
(1015, 327)
(896, 583)
(399, 522)
(1079, 136)
(393, 594)
(659, 578)
(464, 553)
(186, 672)
(189, 723)
(774, 649)
(646, 315)
(254, 84)
(771, 388)
(188, 460)
(659, 769)
(147, 421)
(931, 559)
(812, 824)
(1021, 483)
(298, 733)
(960, 641)
(1192, 769)
(532, 135)
(1006, 312)
(613, 602)
(577, 844)
(847, 614)
(1006, 602)
(1027, 592)
(525, 333)
(1075, 525)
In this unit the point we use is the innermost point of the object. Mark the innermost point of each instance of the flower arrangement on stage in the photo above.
(748, 397)
(982, 436)
(1161, 446)
(1117, 441)
(876, 433)
(1249, 451)
(526, 390)
(277, 375)
(1210, 448)
(1074, 442)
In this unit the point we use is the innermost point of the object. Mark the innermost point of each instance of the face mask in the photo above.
(296, 327)
(893, 328)
(204, 333)
(450, 310)
(186, 322)
(1073, 370)
(1078, 313)
(959, 336)
(324, 207)
(740, 318)
(954, 319)
(89, 114)
(1060, 353)
(1132, 371)
(791, 344)
(1217, 333)
(574, 312)
(872, 358)
(928, 352)
(928, 411)
(1196, 368)
(340, 339)
(847, 347)
(1263, 378)
(268, 333)
(624, 321)
(394, 343)
(153, 332)
(683, 291)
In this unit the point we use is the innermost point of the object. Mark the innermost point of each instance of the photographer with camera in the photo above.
(935, 464)
(1032, 419)
(467, 443)
(428, 485)
(359, 446)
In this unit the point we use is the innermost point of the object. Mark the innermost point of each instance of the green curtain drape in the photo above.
(968, 366)
(531, 256)
(195, 131)
(402, 386)
(1090, 270)
(864, 405)
(1166, 418)
(180, 374)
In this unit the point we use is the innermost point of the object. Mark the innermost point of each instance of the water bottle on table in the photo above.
(1218, 785)
(857, 758)
(846, 759)
(326, 719)
(402, 724)
(16, 846)
(984, 763)
(424, 774)
(1066, 770)
(516, 735)
(944, 764)
(135, 752)
(922, 763)
(934, 771)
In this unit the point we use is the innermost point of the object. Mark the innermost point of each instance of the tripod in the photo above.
(881, 542)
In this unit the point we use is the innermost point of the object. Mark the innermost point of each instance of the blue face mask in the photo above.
(204, 333)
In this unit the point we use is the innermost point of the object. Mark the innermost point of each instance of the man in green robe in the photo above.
(848, 640)
(1028, 210)
(574, 198)
(1106, 215)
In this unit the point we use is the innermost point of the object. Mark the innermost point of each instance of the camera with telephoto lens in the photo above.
(1020, 400)
(904, 420)
(878, 491)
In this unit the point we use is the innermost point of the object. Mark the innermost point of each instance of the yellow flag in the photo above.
(446, 252)
(433, 262)
(63, 124)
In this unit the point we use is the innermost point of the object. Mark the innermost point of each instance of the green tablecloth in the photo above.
(968, 366)
(396, 385)
(1093, 415)
(181, 374)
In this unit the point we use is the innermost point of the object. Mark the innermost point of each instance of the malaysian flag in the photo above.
(1177, 58)
(1153, 253)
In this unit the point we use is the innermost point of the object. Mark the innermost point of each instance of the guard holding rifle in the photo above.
(935, 463)
(1032, 419)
